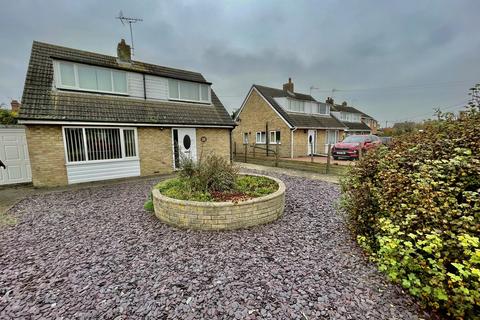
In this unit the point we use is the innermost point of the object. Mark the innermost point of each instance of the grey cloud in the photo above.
(327, 44)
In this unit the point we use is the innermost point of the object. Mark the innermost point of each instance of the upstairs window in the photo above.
(188, 91)
(90, 78)
(296, 105)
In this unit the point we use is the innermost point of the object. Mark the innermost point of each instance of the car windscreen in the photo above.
(351, 139)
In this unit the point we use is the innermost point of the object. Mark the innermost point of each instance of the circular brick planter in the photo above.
(220, 215)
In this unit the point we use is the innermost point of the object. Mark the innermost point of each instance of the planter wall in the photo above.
(220, 215)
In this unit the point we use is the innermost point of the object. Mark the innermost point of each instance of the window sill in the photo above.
(72, 89)
(191, 101)
(101, 161)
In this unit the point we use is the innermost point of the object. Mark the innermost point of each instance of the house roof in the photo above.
(342, 108)
(41, 102)
(297, 119)
(356, 126)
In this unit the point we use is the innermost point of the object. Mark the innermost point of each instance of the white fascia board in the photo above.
(261, 95)
(117, 124)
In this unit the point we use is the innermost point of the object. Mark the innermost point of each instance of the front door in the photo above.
(312, 141)
(184, 145)
(15, 163)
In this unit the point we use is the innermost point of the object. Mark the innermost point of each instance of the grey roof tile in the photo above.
(40, 102)
(296, 119)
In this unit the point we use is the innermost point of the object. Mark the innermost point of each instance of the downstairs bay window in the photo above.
(83, 145)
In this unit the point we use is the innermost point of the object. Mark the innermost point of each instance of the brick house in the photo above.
(298, 123)
(353, 119)
(90, 116)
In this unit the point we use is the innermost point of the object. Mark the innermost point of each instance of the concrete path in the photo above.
(290, 172)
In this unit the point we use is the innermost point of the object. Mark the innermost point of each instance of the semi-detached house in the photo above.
(90, 116)
(293, 122)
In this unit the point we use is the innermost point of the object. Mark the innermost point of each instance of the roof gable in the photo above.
(296, 119)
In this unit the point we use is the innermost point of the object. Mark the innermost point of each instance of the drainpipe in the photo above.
(231, 154)
(291, 142)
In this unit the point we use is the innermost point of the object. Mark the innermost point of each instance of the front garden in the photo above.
(415, 208)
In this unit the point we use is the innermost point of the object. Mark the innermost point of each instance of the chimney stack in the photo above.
(329, 100)
(124, 53)
(288, 86)
(15, 105)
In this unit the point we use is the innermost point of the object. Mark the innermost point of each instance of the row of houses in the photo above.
(296, 121)
(89, 116)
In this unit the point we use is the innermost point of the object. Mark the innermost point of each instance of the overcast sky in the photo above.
(395, 60)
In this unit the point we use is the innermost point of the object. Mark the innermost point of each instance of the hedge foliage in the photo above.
(415, 208)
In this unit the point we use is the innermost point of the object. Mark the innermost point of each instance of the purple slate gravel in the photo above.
(95, 253)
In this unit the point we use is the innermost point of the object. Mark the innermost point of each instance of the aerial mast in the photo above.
(130, 21)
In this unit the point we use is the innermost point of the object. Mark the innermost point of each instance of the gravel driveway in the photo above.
(95, 253)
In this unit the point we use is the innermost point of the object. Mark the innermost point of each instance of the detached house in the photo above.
(296, 122)
(350, 117)
(90, 116)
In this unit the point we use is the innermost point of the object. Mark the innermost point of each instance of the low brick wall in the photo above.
(220, 215)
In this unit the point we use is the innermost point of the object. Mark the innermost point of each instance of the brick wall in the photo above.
(218, 142)
(155, 150)
(220, 215)
(47, 155)
(255, 114)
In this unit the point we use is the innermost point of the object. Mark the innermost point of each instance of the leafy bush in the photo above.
(416, 209)
(214, 173)
(182, 189)
(8, 116)
(255, 186)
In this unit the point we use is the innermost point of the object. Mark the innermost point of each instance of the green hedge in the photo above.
(415, 208)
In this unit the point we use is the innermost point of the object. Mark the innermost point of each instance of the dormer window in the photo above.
(188, 91)
(296, 105)
(82, 77)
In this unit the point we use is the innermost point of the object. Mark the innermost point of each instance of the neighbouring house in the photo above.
(91, 116)
(296, 122)
(350, 117)
(371, 123)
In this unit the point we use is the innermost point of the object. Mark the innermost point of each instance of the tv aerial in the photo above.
(130, 21)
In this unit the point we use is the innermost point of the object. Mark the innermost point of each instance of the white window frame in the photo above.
(259, 134)
(274, 141)
(336, 136)
(59, 85)
(122, 145)
(209, 92)
(245, 138)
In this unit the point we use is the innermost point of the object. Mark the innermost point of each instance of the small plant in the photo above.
(148, 205)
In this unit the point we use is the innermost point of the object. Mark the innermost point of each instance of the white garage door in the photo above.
(14, 155)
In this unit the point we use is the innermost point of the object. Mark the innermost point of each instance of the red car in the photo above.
(350, 147)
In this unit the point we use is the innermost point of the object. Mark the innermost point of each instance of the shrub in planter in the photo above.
(214, 178)
(416, 209)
